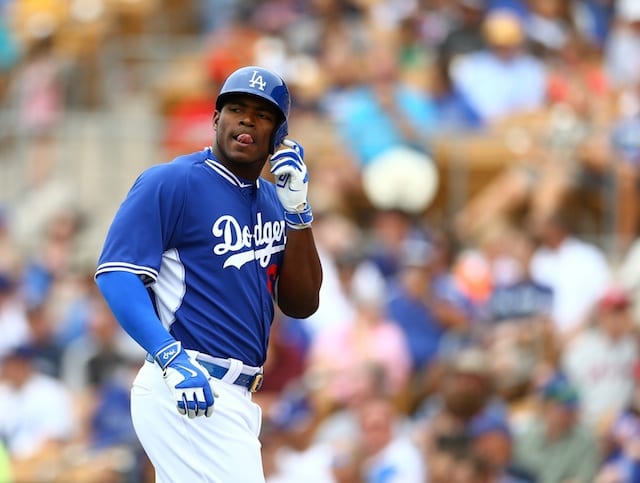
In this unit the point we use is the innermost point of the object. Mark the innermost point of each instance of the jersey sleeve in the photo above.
(145, 223)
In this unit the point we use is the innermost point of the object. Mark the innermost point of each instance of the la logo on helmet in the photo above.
(257, 81)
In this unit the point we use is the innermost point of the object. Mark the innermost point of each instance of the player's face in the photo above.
(243, 130)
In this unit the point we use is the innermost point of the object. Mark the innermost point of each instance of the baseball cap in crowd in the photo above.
(488, 422)
(614, 298)
(560, 390)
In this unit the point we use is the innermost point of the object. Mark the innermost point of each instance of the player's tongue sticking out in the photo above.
(245, 139)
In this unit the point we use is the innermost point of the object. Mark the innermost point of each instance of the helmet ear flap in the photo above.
(278, 136)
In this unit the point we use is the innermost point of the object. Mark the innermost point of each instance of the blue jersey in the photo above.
(209, 246)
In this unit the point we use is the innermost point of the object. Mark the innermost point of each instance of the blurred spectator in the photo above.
(436, 19)
(340, 421)
(39, 90)
(601, 360)
(516, 372)
(411, 305)
(608, 165)
(286, 358)
(547, 24)
(454, 112)
(621, 445)
(338, 240)
(623, 44)
(464, 391)
(298, 457)
(556, 447)
(385, 124)
(98, 355)
(576, 271)
(592, 19)
(386, 235)
(50, 262)
(514, 297)
(451, 304)
(48, 354)
(369, 338)
(13, 314)
(563, 156)
(108, 448)
(389, 454)
(414, 55)
(517, 314)
(217, 14)
(472, 273)
(576, 77)
(444, 423)
(467, 36)
(502, 79)
(35, 438)
(324, 24)
(491, 445)
(98, 367)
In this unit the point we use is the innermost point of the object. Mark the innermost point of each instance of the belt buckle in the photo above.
(256, 383)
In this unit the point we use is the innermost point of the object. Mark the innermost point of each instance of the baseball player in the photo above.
(196, 257)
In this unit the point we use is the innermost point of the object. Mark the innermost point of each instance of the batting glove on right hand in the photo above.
(292, 184)
(187, 379)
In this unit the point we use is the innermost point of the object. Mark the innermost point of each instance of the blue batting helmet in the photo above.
(263, 83)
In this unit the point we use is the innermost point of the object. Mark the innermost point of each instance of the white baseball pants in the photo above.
(223, 448)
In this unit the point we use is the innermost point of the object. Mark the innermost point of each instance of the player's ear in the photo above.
(215, 119)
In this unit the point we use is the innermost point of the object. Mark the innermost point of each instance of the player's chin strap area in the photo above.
(231, 371)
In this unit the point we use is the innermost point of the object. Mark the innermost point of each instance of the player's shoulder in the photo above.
(191, 159)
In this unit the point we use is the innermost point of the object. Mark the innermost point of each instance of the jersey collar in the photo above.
(224, 172)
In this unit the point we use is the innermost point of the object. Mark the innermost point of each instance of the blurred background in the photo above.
(474, 177)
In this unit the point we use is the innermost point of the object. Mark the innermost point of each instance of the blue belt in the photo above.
(252, 382)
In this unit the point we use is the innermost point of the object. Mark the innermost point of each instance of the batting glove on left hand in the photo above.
(187, 379)
(292, 184)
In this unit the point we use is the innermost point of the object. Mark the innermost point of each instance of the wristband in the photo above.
(299, 220)
(167, 354)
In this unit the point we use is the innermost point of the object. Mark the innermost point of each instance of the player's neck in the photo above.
(249, 171)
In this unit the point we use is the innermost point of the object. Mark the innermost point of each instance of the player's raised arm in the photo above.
(301, 273)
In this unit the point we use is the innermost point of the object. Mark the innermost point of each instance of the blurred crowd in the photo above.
(489, 340)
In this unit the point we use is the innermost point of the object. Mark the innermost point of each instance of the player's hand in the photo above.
(292, 184)
(187, 379)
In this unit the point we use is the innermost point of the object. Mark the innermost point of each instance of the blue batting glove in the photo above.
(292, 184)
(187, 379)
